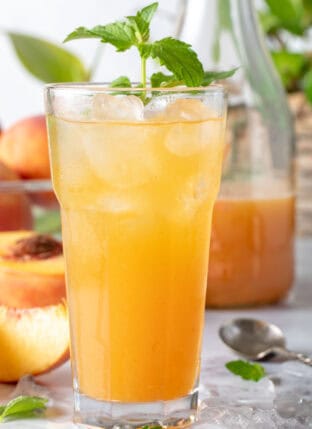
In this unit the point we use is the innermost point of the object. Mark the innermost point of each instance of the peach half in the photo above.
(33, 340)
(34, 331)
(31, 270)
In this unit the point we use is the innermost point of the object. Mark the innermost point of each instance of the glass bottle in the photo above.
(252, 247)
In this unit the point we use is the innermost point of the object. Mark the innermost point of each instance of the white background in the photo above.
(20, 93)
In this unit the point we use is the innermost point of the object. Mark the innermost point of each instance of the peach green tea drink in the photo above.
(137, 187)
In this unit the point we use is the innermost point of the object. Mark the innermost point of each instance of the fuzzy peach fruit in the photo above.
(24, 148)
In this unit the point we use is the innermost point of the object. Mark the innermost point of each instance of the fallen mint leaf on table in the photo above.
(22, 407)
(246, 370)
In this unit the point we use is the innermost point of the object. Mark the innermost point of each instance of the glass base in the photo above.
(179, 413)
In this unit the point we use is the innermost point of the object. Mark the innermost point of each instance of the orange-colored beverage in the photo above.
(137, 201)
(252, 249)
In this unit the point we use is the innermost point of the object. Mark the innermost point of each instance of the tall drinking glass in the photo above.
(136, 181)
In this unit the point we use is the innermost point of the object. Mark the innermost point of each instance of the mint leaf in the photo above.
(48, 222)
(246, 370)
(23, 406)
(121, 82)
(119, 34)
(179, 58)
(80, 33)
(168, 81)
(141, 22)
(160, 79)
(211, 76)
(151, 427)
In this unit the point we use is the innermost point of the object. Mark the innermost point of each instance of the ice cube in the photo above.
(244, 418)
(117, 204)
(220, 387)
(74, 108)
(117, 108)
(196, 127)
(189, 109)
(123, 155)
(156, 108)
(194, 192)
(27, 386)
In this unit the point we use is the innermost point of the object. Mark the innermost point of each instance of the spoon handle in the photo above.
(302, 358)
(287, 354)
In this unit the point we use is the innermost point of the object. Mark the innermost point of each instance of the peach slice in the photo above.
(31, 270)
(32, 341)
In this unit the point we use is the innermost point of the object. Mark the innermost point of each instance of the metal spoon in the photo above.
(258, 340)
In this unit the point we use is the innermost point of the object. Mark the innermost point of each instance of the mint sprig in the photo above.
(178, 57)
(151, 427)
(22, 407)
(246, 370)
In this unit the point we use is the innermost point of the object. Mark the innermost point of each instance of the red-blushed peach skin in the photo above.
(24, 148)
(32, 341)
(46, 200)
(28, 290)
(15, 207)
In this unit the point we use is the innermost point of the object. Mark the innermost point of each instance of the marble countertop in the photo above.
(293, 316)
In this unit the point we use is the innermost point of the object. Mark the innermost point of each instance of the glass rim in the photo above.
(103, 87)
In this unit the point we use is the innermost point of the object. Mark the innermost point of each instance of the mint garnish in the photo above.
(151, 427)
(177, 56)
(121, 82)
(22, 407)
(246, 370)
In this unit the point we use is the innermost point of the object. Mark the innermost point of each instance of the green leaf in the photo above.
(211, 76)
(121, 82)
(119, 34)
(47, 61)
(290, 66)
(141, 22)
(246, 370)
(269, 22)
(160, 79)
(81, 33)
(23, 406)
(290, 13)
(48, 222)
(148, 12)
(151, 427)
(179, 58)
(307, 85)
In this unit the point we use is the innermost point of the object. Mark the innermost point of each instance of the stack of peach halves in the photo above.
(34, 333)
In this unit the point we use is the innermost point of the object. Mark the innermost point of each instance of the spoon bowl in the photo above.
(253, 339)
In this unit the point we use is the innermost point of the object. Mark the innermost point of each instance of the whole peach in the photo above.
(24, 148)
